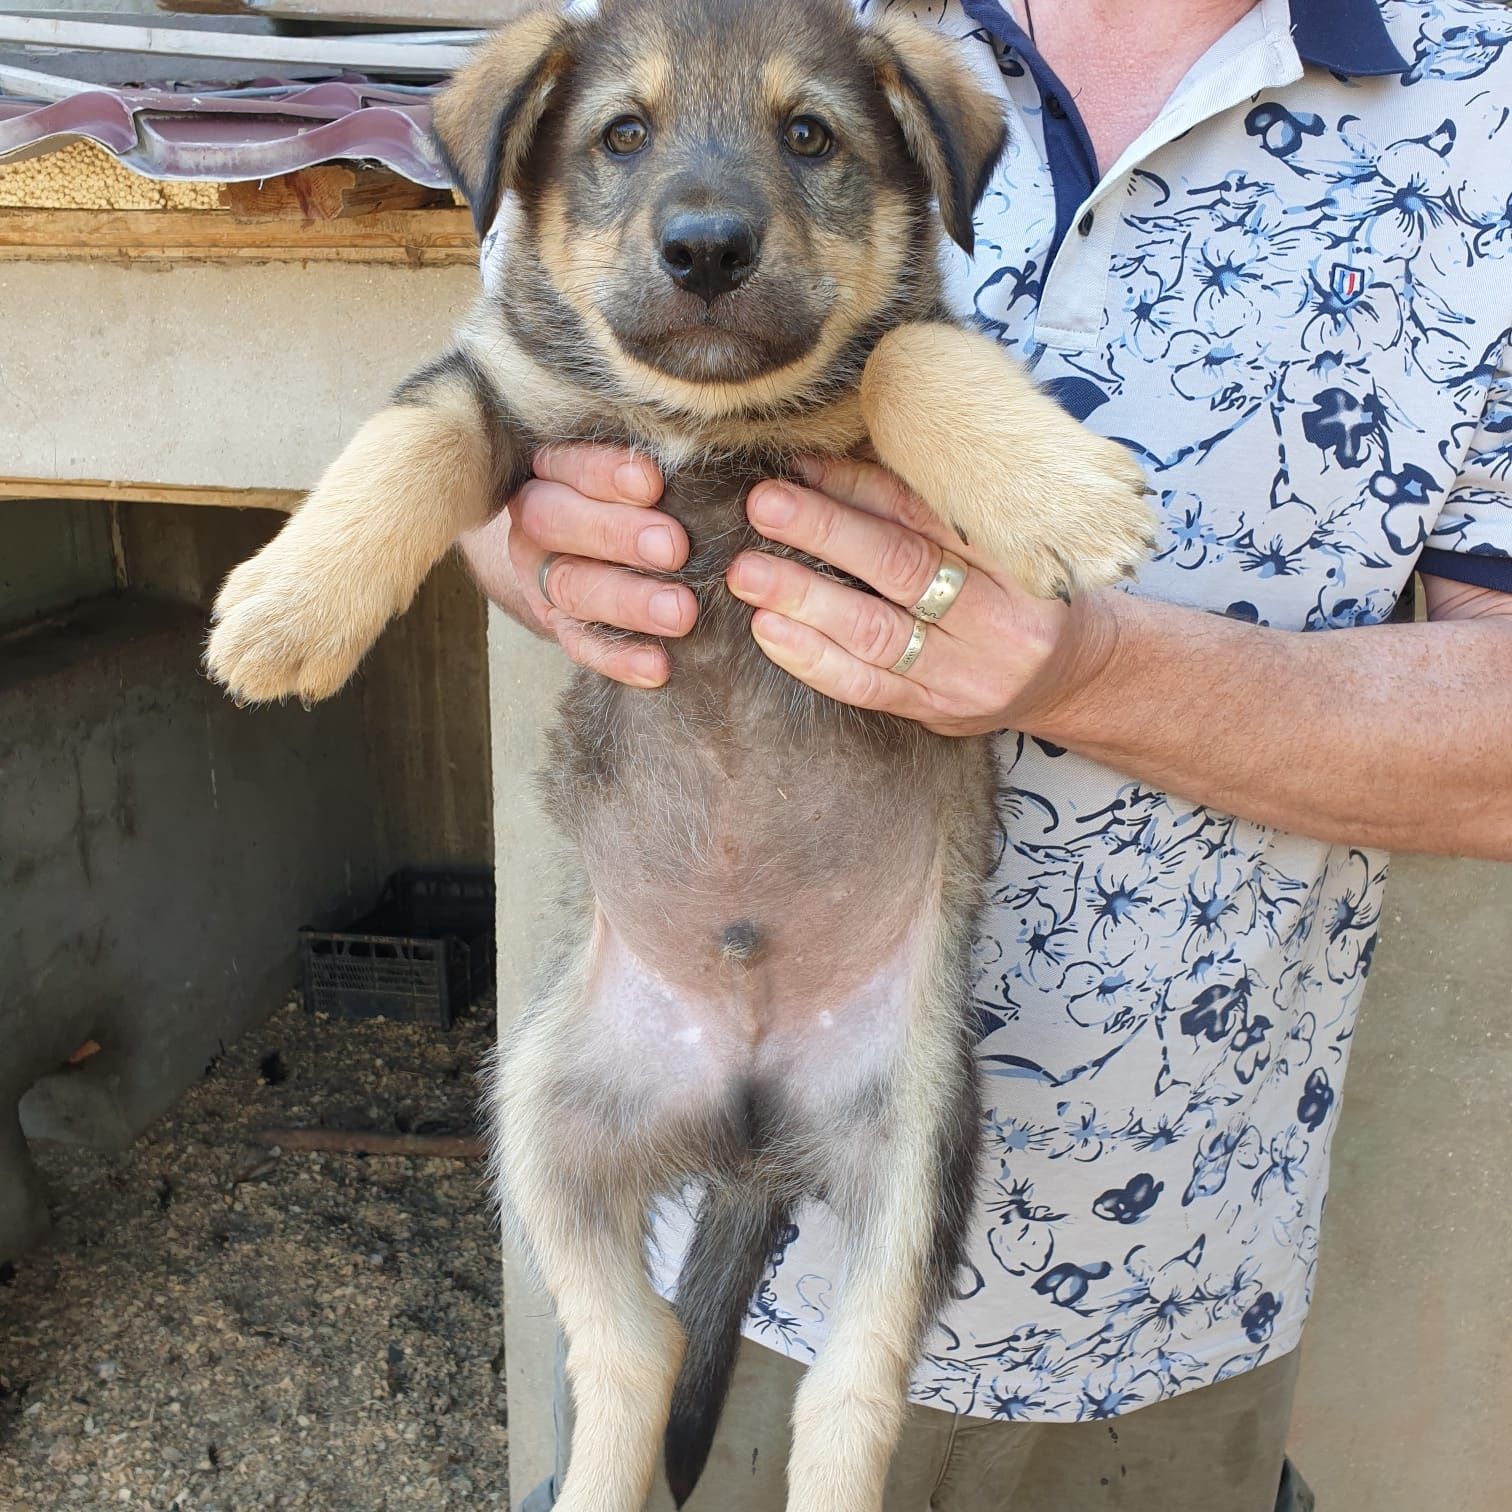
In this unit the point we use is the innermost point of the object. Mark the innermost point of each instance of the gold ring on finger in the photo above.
(543, 573)
(943, 591)
(911, 650)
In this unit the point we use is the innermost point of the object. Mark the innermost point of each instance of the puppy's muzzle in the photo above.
(709, 253)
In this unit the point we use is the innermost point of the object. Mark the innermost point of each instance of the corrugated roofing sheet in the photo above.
(259, 131)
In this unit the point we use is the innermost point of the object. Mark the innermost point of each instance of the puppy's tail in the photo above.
(738, 1227)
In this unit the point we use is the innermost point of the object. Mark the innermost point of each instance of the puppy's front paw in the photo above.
(1094, 527)
(284, 626)
(1052, 503)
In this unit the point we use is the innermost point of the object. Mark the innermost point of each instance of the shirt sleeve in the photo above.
(1472, 539)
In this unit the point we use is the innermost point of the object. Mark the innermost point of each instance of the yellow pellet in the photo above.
(84, 176)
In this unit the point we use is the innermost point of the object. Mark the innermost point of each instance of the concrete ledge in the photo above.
(114, 491)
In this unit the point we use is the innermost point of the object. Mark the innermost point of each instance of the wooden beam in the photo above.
(460, 13)
(331, 192)
(114, 491)
(411, 238)
(84, 176)
(395, 54)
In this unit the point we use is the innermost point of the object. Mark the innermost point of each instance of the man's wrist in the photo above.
(1060, 702)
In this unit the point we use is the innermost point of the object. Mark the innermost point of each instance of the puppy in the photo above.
(720, 226)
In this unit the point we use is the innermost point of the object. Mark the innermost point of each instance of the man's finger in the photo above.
(612, 474)
(600, 594)
(869, 628)
(898, 562)
(596, 592)
(869, 486)
(829, 669)
(631, 662)
(559, 518)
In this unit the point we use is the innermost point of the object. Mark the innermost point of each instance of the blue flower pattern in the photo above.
(1305, 340)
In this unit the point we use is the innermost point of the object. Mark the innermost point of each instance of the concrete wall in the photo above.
(240, 376)
(421, 697)
(233, 376)
(158, 850)
(526, 674)
(158, 847)
(52, 555)
(1406, 1387)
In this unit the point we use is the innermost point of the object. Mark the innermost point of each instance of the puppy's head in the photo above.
(718, 197)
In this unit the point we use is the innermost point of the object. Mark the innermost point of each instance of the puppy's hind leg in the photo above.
(582, 1210)
(906, 1213)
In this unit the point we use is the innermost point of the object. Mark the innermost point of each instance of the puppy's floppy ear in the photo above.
(954, 128)
(486, 118)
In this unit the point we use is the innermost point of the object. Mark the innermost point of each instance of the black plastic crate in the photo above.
(423, 955)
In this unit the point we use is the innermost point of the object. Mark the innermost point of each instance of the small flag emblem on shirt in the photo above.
(1348, 283)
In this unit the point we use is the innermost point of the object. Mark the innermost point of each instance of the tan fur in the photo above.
(529, 52)
(849, 1409)
(576, 259)
(713, 402)
(782, 82)
(546, 401)
(579, 258)
(910, 56)
(651, 81)
(298, 617)
(789, 86)
(965, 426)
(872, 270)
(589, 1251)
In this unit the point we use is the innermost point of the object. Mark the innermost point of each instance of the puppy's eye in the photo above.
(625, 135)
(806, 136)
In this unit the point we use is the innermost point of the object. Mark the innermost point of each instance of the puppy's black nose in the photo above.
(707, 253)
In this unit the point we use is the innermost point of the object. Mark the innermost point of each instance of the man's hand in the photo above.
(1384, 735)
(593, 507)
(997, 653)
(997, 656)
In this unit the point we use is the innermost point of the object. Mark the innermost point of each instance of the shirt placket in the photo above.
(1074, 298)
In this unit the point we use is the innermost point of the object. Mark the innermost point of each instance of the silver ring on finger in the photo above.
(911, 650)
(543, 574)
(943, 591)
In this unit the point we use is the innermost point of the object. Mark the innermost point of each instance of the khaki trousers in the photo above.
(1217, 1449)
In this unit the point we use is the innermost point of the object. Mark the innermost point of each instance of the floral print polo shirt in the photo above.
(1292, 298)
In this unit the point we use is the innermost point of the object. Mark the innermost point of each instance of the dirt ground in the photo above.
(215, 1326)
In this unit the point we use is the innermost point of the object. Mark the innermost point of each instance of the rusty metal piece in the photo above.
(374, 1142)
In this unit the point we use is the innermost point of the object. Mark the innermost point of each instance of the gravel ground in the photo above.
(215, 1326)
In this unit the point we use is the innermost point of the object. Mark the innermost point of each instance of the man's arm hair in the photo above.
(1396, 735)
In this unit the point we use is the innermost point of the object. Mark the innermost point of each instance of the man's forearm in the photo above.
(1391, 735)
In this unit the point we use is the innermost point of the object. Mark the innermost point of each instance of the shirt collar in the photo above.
(1344, 36)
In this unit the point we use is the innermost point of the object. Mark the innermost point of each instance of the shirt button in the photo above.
(1054, 107)
(1084, 225)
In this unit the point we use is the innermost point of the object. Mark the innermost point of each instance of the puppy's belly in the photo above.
(767, 913)
(759, 905)
(675, 1052)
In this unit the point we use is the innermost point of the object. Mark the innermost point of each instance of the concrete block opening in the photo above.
(160, 848)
